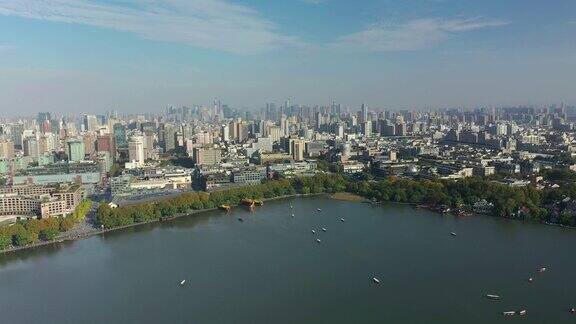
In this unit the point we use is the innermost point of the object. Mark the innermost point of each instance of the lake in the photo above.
(270, 269)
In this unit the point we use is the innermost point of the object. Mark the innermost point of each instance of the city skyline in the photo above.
(133, 56)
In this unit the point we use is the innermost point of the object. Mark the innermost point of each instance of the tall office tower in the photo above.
(136, 150)
(149, 144)
(89, 140)
(340, 130)
(120, 135)
(169, 135)
(297, 147)
(76, 150)
(6, 149)
(367, 128)
(17, 131)
(363, 114)
(225, 133)
(47, 143)
(31, 147)
(106, 143)
(90, 123)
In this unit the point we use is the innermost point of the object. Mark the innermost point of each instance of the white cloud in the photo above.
(212, 24)
(412, 35)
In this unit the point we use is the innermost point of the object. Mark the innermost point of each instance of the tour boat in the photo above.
(522, 312)
(182, 282)
(323, 229)
(376, 280)
(509, 313)
(492, 296)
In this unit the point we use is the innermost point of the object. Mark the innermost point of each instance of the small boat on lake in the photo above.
(258, 202)
(247, 202)
(313, 232)
(376, 280)
(182, 282)
(492, 296)
(509, 313)
(319, 209)
(240, 219)
(453, 234)
(318, 241)
(342, 220)
(530, 279)
(323, 229)
(522, 312)
(225, 207)
(292, 215)
(572, 310)
(543, 269)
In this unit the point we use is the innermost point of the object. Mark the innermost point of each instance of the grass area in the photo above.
(347, 197)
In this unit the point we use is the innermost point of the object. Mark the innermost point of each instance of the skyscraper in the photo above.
(136, 150)
(120, 135)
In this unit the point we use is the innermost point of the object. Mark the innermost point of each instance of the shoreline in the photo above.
(98, 231)
(342, 196)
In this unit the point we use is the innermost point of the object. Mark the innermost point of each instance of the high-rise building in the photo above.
(120, 135)
(76, 150)
(6, 149)
(90, 123)
(31, 147)
(297, 147)
(136, 150)
(89, 143)
(106, 143)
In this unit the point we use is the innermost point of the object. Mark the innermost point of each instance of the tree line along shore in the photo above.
(547, 205)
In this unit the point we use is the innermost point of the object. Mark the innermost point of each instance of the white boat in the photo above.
(318, 240)
(530, 279)
(572, 310)
(313, 232)
(492, 296)
(542, 269)
(342, 220)
(323, 229)
(453, 234)
(182, 282)
(318, 209)
(522, 312)
(376, 280)
(509, 313)
(292, 215)
(291, 206)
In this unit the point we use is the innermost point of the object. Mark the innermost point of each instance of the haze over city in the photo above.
(142, 56)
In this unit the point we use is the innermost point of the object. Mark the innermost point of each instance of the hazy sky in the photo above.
(142, 55)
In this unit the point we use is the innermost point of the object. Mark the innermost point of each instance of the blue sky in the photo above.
(142, 55)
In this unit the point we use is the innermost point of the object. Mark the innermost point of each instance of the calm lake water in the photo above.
(270, 269)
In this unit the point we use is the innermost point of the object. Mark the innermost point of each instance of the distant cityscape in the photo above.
(50, 162)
